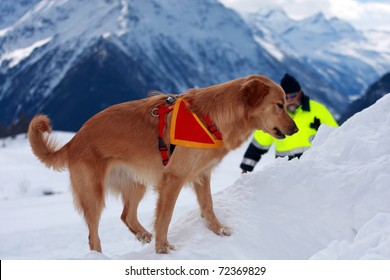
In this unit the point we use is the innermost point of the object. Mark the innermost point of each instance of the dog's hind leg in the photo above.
(203, 194)
(131, 197)
(89, 199)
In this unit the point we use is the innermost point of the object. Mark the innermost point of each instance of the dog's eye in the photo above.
(280, 105)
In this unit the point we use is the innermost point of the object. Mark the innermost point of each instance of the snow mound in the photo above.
(330, 204)
(294, 209)
(372, 242)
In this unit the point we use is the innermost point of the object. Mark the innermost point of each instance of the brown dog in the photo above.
(117, 150)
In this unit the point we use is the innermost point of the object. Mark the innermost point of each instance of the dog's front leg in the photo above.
(168, 191)
(203, 193)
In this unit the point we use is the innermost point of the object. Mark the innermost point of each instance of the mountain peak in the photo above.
(317, 17)
(106, 52)
(276, 12)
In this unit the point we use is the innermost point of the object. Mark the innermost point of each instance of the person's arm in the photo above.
(259, 146)
(328, 119)
(323, 116)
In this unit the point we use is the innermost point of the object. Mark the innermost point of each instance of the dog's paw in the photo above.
(164, 248)
(221, 230)
(225, 231)
(144, 237)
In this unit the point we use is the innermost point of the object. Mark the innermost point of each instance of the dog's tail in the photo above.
(43, 146)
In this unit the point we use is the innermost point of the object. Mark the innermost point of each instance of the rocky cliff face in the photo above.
(376, 91)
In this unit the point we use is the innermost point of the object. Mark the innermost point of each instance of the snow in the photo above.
(371, 242)
(330, 204)
(270, 48)
(68, 20)
(316, 37)
(18, 55)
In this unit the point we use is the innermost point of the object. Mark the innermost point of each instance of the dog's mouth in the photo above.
(278, 134)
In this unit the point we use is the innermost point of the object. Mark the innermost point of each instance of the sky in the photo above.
(363, 14)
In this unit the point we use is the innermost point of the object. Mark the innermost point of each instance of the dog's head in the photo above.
(266, 103)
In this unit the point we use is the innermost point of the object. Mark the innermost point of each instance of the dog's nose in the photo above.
(293, 129)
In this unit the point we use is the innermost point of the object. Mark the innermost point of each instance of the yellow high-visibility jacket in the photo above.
(308, 117)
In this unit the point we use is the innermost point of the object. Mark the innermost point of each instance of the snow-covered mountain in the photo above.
(307, 37)
(12, 10)
(375, 92)
(72, 58)
(343, 60)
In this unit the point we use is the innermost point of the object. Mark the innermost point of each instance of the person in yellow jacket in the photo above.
(307, 114)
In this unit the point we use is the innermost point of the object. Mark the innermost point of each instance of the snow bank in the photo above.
(330, 204)
(293, 209)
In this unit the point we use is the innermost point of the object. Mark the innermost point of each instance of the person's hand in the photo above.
(244, 171)
(316, 123)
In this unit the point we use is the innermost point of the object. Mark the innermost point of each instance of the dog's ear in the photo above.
(253, 91)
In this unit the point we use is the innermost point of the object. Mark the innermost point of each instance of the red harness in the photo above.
(161, 111)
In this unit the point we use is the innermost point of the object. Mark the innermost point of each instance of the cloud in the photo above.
(377, 16)
(364, 15)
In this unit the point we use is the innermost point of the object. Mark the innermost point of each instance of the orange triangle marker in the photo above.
(188, 130)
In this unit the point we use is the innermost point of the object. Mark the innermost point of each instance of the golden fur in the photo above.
(117, 150)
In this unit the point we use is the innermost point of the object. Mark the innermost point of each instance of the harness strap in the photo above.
(212, 127)
(161, 111)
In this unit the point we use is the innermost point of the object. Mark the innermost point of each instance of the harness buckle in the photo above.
(212, 128)
(161, 145)
(154, 113)
(171, 99)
